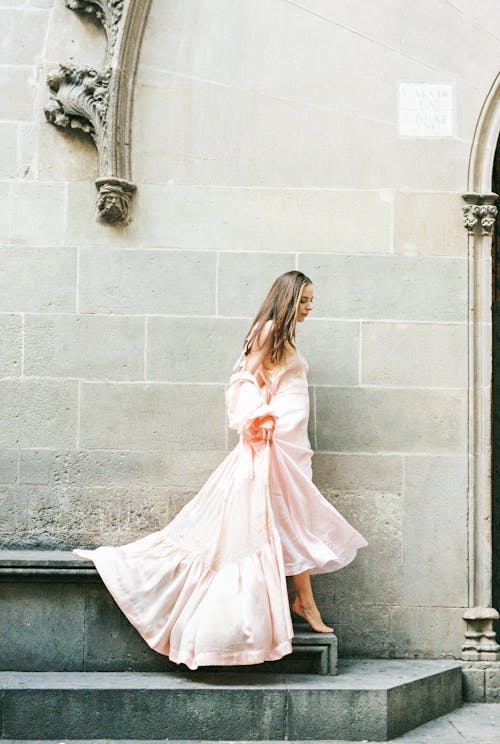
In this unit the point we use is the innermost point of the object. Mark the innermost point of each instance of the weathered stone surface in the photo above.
(243, 283)
(22, 80)
(332, 351)
(35, 221)
(23, 34)
(45, 280)
(68, 517)
(362, 630)
(91, 347)
(13, 510)
(27, 146)
(378, 516)
(152, 416)
(430, 632)
(38, 413)
(429, 224)
(421, 355)
(50, 612)
(473, 685)
(8, 465)
(109, 282)
(193, 349)
(10, 345)
(435, 499)
(391, 420)
(388, 287)
(8, 150)
(354, 473)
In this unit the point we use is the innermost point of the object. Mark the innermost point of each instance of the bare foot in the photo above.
(311, 615)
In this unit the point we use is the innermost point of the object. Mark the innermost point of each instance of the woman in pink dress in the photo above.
(210, 587)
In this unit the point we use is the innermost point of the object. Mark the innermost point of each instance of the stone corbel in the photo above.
(480, 213)
(99, 102)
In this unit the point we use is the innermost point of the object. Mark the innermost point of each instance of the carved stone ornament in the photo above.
(480, 639)
(480, 212)
(98, 102)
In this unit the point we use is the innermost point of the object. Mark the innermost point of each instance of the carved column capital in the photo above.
(480, 213)
(98, 102)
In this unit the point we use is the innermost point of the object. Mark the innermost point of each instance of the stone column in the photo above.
(480, 647)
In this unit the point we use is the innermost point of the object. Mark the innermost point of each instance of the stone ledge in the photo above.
(370, 699)
(80, 627)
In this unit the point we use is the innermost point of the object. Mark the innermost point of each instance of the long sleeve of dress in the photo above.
(247, 407)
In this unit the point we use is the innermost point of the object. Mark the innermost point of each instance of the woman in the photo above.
(210, 587)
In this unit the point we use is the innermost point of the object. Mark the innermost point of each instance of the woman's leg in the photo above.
(304, 604)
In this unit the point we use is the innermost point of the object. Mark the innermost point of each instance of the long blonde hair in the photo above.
(280, 306)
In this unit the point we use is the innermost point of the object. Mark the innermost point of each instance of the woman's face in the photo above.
(305, 303)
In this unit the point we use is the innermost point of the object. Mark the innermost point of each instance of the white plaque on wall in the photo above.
(425, 110)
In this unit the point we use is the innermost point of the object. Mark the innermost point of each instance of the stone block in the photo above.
(429, 224)
(8, 150)
(23, 34)
(91, 347)
(45, 280)
(191, 468)
(492, 684)
(363, 631)
(13, 510)
(378, 516)
(332, 351)
(244, 282)
(35, 466)
(426, 632)
(27, 150)
(35, 220)
(193, 349)
(352, 709)
(434, 514)
(94, 467)
(109, 712)
(269, 220)
(53, 613)
(152, 416)
(71, 156)
(354, 473)
(423, 355)
(171, 282)
(20, 79)
(473, 685)
(388, 287)
(10, 345)
(55, 511)
(8, 465)
(38, 413)
(392, 420)
(111, 642)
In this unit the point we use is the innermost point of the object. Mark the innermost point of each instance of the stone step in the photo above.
(56, 614)
(369, 699)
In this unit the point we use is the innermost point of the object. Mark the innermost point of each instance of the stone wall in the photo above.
(265, 137)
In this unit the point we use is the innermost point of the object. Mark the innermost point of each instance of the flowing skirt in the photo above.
(210, 587)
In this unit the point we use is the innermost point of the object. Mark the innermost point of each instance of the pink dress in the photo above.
(210, 588)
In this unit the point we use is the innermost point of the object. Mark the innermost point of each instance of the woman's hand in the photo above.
(266, 430)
